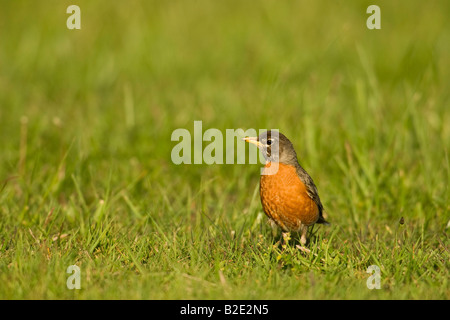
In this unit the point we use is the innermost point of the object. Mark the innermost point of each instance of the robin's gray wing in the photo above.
(312, 191)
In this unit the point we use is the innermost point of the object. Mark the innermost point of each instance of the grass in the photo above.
(86, 176)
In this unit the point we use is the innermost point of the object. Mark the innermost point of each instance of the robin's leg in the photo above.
(274, 227)
(304, 231)
(286, 236)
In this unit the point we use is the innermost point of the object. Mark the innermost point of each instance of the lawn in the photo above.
(86, 176)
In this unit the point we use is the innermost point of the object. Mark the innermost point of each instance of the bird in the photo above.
(289, 196)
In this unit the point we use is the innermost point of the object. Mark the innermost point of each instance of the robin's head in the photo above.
(275, 147)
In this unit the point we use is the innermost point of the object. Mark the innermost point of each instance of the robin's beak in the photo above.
(253, 140)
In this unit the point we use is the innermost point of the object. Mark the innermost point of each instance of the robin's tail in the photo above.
(322, 220)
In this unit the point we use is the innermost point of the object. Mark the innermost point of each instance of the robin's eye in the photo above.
(269, 142)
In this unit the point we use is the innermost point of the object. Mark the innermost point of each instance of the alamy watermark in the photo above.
(74, 280)
(212, 146)
(374, 281)
(374, 20)
(74, 20)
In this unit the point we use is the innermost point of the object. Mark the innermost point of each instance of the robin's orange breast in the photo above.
(285, 200)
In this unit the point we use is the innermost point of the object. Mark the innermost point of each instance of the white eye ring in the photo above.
(269, 142)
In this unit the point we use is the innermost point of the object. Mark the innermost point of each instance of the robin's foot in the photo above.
(286, 236)
(274, 227)
(304, 231)
(303, 249)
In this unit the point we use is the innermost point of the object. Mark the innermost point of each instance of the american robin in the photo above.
(288, 194)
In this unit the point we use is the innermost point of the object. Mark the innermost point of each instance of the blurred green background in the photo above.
(86, 118)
